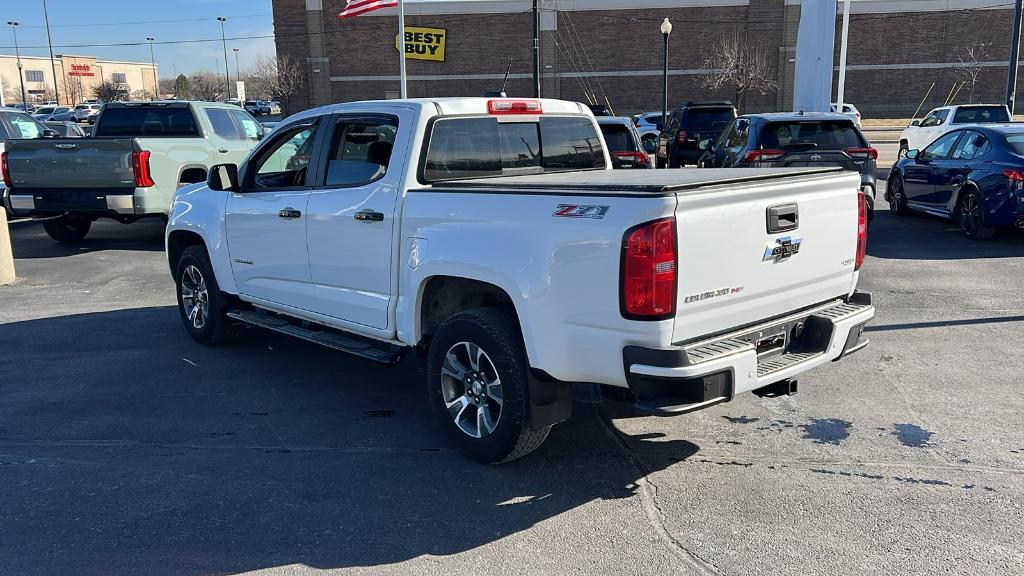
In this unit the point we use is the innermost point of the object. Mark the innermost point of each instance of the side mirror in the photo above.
(223, 178)
(915, 123)
(650, 146)
(50, 133)
(912, 154)
(705, 145)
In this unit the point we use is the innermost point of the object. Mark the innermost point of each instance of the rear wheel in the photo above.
(897, 196)
(971, 216)
(67, 229)
(478, 386)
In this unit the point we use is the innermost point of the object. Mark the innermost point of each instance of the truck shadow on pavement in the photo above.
(125, 447)
(920, 237)
(29, 240)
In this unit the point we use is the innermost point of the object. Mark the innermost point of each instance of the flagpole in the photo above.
(401, 47)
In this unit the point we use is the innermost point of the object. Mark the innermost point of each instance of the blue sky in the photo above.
(78, 26)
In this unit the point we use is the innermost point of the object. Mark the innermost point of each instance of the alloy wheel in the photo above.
(471, 389)
(195, 298)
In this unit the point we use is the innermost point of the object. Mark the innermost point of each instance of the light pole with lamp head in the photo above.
(152, 62)
(238, 72)
(666, 29)
(21, 76)
(223, 39)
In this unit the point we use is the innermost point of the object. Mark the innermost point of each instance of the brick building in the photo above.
(900, 52)
(76, 77)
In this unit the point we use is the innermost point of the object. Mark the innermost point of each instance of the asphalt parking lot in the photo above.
(125, 448)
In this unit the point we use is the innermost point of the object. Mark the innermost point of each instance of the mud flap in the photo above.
(550, 401)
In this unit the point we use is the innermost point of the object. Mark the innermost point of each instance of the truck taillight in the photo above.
(649, 271)
(681, 137)
(6, 169)
(140, 166)
(862, 229)
(761, 155)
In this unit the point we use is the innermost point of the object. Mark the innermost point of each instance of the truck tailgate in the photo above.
(736, 268)
(71, 163)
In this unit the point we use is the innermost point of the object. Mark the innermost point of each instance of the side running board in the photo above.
(375, 351)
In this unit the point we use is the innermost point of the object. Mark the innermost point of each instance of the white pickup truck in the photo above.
(492, 237)
(945, 118)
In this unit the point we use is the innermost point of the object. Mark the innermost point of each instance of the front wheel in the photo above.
(897, 196)
(972, 218)
(202, 306)
(67, 230)
(478, 386)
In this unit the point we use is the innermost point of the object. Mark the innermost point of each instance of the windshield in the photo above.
(147, 121)
(44, 110)
(618, 138)
(481, 146)
(974, 114)
(825, 134)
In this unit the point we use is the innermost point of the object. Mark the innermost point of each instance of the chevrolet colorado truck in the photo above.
(138, 155)
(492, 237)
(945, 118)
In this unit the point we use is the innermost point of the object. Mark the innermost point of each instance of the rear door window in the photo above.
(481, 146)
(972, 145)
(361, 151)
(978, 114)
(827, 135)
(147, 121)
(941, 148)
(251, 129)
(222, 123)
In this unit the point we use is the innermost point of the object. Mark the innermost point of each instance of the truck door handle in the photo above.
(369, 216)
(289, 214)
(783, 218)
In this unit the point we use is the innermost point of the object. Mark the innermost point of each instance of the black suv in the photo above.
(782, 139)
(687, 126)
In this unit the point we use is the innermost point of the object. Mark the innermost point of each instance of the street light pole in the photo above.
(223, 39)
(666, 29)
(53, 65)
(238, 73)
(1011, 74)
(152, 62)
(21, 76)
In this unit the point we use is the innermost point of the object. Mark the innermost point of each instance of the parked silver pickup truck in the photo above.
(138, 155)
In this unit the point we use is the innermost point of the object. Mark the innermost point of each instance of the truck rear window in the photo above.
(146, 121)
(971, 114)
(825, 134)
(481, 146)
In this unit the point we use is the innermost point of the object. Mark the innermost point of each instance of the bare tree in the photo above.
(971, 59)
(737, 65)
(72, 89)
(10, 94)
(207, 86)
(108, 91)
(278, 78)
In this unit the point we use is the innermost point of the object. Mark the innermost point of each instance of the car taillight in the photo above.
(1011, 173)
(862, 229)
(759, 155)
(866, 152)
(681, 136)
(140, 166)
(514, 107)
(649, 271)
(6, 169)
(638, 157)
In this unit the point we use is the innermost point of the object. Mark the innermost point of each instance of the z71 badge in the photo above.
(581, 211)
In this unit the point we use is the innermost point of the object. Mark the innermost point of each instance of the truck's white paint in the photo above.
(562, 275)
(937, 122)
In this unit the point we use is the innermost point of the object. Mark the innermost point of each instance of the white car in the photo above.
(946, 118)
(441, 227)
(849, 110)
(86, 113)
(648, 124)
(53, 114)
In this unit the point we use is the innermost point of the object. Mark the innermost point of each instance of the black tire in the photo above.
(970, 215)
(673, 163)
(215, 327)
(904, 147)
(896, 196)
(67, 230)
(456, 388)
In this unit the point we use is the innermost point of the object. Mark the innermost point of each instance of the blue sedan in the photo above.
(974, 175)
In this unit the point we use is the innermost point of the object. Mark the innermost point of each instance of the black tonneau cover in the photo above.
(629, 182)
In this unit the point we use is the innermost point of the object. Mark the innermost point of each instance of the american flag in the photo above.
(357, 7)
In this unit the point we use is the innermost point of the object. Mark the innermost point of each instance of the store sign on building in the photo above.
(81, 70)
(424, 43)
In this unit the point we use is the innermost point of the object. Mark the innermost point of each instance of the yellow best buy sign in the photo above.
(424, 43)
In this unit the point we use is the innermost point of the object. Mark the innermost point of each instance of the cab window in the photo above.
(25, 127)
(283, 163)
(361, 151)
(932, 119)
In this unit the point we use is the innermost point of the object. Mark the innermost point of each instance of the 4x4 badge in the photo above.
(782, 249)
